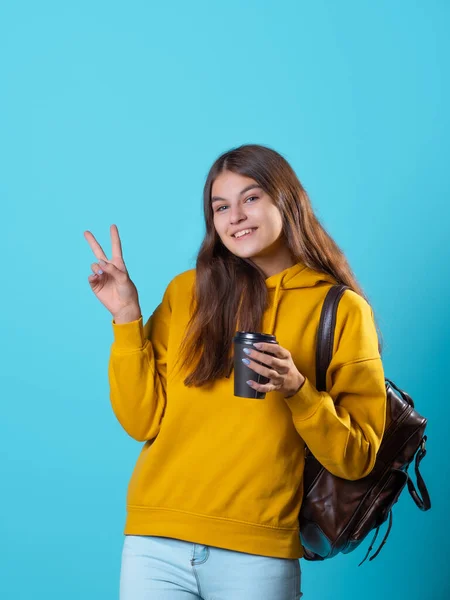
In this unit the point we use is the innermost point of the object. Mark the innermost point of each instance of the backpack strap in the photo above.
(424, 504)
(371, 546)
(324, 353)
(382, 543)
(385, 537)
(373, 541)
(325, 334)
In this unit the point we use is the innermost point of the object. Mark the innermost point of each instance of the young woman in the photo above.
(213, 503)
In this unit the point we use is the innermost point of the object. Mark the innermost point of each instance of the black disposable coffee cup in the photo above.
(242, 373)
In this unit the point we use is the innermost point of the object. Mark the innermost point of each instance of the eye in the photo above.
(224, 205)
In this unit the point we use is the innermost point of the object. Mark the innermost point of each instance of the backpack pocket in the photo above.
(378, 510)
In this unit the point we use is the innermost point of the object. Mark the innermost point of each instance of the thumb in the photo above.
(112, 270)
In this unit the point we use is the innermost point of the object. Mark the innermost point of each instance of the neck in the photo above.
(274, 263)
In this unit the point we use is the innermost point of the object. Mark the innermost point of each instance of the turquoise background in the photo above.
(113, 113)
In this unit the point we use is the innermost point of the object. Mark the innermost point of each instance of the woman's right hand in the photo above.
(111, 282)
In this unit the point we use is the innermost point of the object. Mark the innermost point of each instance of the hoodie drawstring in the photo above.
(275, 307)
(272, 316)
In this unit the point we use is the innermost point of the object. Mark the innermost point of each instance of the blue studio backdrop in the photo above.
(113, 112)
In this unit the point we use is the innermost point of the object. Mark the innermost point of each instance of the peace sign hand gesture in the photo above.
(111, 282)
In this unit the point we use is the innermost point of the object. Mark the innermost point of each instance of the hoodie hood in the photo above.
(297, 276)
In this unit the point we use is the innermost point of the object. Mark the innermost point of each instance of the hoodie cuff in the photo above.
(129, 336)
(304, 403)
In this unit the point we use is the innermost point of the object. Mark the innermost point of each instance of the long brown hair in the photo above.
(230, 290)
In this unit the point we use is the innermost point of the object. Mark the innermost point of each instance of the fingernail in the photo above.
(246, 361)
(247, 351)
(99, 272)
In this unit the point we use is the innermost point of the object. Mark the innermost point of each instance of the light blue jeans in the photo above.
(162, 568)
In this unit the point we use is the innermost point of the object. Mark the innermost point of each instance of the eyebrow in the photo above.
(246, 189)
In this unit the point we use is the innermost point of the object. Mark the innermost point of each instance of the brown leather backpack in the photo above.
(337, 514)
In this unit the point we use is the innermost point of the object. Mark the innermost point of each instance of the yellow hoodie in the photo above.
(226, 471)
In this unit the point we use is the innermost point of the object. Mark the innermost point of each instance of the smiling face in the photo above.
(239, 204)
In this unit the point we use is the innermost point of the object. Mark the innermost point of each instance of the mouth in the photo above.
(248, 232)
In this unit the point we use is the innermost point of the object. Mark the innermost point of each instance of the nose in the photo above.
(237, 214)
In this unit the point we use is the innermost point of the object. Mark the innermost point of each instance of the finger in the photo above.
(95, 246)
(262, 387)
(269, 373)
(96, 269)
(116, 243)
(112, 270)
(97, 273)
(275, 363)
(276, 349)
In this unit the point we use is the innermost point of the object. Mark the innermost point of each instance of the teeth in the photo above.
(241, 233)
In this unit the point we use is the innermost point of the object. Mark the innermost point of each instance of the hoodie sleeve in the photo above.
(137, 372)
(343, 427)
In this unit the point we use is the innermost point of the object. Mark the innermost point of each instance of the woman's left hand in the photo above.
(280, 370)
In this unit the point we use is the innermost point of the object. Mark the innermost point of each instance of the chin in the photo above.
(250, 253)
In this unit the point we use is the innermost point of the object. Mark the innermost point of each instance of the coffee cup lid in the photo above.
(254, 336)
